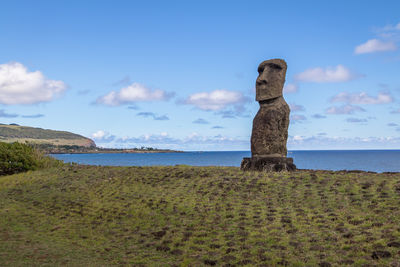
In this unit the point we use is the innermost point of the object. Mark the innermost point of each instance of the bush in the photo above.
(17, 157)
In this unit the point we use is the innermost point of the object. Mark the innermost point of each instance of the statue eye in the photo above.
(275, 67)
(260, 69)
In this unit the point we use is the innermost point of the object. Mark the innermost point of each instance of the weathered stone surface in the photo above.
(270, 129)
(269, 164)
(270, 125)
(270, 80)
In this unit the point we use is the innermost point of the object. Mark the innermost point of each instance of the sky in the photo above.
(181, 74)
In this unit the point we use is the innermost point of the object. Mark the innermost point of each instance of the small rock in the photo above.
(159, 234)
(380, 254)
(325, 264)
(394, 244)
(210, 262)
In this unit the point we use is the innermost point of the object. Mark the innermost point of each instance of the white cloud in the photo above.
(215, 100)
(135, 92)
(19, 86)
(387, 28)
(98, 135)
(375, 45)
(290, 88)
(297, 118)
(102, 137)
(328, 75)
(294, 107)
(362, 98)
(345, 109)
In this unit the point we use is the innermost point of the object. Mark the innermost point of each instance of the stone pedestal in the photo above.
(268, 164)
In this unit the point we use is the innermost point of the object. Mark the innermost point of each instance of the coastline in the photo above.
(122, 151)
(353, 161)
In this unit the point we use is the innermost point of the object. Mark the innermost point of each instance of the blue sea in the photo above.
(366, 160)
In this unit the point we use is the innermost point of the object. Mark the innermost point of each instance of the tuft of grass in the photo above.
(198, 216)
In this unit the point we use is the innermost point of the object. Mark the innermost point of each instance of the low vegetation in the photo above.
(16, 157)
(198, 216)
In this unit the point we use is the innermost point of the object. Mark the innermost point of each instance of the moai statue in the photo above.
(270, 125)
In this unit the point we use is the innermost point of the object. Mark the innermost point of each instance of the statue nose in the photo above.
(262, 78)
(261, 81)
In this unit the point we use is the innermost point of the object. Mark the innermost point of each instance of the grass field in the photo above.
(22, 134)
(194, 216)
(56, 142)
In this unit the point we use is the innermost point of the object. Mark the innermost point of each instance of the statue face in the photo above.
(271, 78)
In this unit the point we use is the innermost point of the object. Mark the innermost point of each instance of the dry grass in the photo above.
(56, 142)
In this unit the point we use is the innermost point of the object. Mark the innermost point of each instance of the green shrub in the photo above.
(17, 157)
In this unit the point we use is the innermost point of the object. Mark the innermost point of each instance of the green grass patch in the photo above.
(17, 157)
(198, 216)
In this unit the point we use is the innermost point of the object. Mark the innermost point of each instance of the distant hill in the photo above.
(15, 133)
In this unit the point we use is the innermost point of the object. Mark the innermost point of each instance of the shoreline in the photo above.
(116, 152)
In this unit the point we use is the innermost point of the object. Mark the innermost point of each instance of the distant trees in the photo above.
(147, 148)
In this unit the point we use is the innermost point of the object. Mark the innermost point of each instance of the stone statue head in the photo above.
(270, 80)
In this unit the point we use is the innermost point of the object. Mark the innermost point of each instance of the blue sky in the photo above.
(181, 74)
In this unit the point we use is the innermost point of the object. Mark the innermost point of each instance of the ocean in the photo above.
(366, 160)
